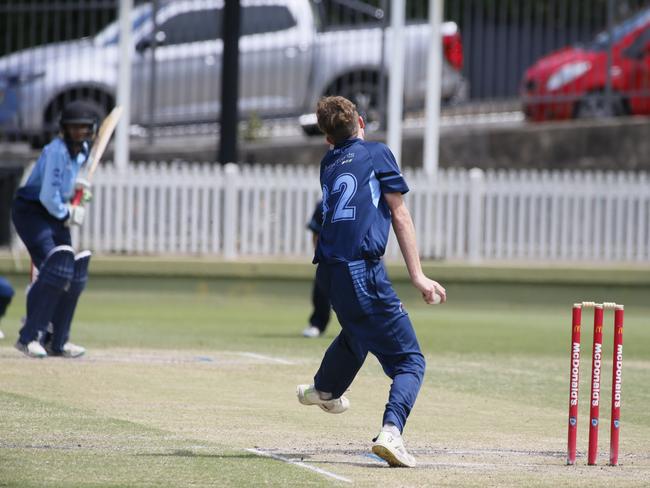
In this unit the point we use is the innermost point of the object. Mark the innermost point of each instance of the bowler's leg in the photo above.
(406, 369)
(340, 365)
(400, 356)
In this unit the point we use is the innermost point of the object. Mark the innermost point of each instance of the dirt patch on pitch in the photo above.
(468, 468)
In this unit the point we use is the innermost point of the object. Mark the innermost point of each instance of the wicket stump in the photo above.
(596, 368)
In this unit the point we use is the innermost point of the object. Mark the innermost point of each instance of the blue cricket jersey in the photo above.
(52, 181)
(356, 218)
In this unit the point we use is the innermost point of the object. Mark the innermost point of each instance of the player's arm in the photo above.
(50, 194)
(405, 232)
(315, 224)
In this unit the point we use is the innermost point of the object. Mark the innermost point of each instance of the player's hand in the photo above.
(83, 185)
(76, 215)
(433, 292)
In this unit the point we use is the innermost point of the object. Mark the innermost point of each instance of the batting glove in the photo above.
(76, 215)
(83, 185)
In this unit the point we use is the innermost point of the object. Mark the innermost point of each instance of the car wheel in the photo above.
(595, 105)
(366, 98)
(311, 130)
(364, 90)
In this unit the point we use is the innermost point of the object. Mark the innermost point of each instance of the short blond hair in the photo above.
(338, 118)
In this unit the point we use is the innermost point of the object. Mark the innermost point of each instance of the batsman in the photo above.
(43, 211)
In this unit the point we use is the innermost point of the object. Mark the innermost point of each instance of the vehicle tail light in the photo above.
(453, 48)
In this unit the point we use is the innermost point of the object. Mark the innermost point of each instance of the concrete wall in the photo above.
(619, 144)
(608, 145)
(615, 144)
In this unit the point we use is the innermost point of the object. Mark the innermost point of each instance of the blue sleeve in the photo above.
(386, 170)
(315, 224)
(50, 194)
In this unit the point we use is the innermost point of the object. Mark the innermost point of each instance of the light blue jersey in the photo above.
(356, 218)
(52, 181)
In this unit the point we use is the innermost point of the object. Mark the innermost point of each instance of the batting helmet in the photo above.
(79, 112)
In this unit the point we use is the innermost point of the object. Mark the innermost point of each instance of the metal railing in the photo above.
(176, 69)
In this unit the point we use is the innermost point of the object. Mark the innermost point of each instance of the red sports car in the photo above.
(573, 82)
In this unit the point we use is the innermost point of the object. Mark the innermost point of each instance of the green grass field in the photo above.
(191, 382)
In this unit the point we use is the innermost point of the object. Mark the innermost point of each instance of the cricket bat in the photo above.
(97, 151)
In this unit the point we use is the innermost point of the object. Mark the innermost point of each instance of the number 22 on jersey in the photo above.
(346, 185)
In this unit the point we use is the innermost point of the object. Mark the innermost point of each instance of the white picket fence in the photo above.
(261, 211)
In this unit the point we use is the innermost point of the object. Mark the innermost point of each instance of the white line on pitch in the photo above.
(264, 358)
(300, 463)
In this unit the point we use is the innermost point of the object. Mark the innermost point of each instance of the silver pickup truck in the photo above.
(287, 61)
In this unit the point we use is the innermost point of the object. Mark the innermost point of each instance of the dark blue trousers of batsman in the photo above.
(6, 294)
(372, 320)
(52, 298)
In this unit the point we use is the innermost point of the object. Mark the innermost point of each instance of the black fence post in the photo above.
(609, 102)
(230, 82)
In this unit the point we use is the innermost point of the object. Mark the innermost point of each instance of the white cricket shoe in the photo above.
(32, 350)
(391, 449)
(2, 335)
(308, 395)
(311, 331)
(70, 350)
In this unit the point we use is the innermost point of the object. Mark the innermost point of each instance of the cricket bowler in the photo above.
(362, 196)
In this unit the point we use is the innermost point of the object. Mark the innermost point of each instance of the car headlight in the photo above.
(566, 74)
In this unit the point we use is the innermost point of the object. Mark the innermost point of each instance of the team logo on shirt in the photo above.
(345, 159)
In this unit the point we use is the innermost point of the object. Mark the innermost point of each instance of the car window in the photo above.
(621, 30)
(197, 26)
(344, 13)
(266, 18)
(636, 48)
(111, 33)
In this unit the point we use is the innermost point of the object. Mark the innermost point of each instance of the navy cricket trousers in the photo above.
(6, 294)
(39, 230)
(41, 233)
(320, 300)
(372, 320)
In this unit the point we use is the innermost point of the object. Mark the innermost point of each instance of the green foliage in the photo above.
(252, 127)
